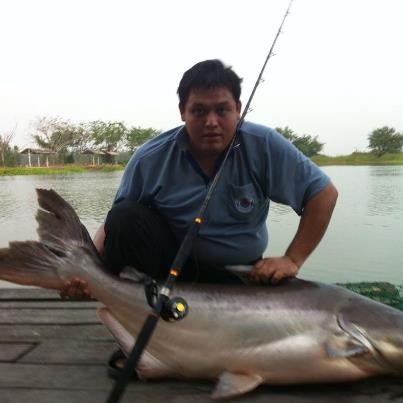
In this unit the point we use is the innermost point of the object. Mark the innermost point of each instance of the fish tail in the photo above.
(30, 263)
(59, 224)
(64, 249)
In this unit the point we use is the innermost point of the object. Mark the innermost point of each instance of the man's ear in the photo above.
(238, 108)
(182, 111)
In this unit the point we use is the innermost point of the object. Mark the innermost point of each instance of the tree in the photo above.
(84, 139)
(12, 157)
(385, 140)
(55, 134)
(107, 136)
(307, 144)
(287, 133)
(5, 140)
(136, 136)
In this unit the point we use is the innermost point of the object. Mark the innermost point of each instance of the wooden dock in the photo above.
(55, 351)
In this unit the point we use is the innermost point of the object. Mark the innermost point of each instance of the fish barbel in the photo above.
(241, 336)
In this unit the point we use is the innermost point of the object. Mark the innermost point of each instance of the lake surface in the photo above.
(364, 241)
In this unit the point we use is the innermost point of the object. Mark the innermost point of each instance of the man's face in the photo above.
(210, 116)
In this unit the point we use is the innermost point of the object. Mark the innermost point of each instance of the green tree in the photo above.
(307, 144)
(5, 148)
(136, 136)
(107, 136)
(287, 133)
(12, 157)
(83, 138)
(385, 140)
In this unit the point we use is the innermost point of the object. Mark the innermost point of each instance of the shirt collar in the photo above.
(182, 139)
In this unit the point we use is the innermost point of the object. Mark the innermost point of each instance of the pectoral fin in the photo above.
(349, 343)
(230, 384)
(344, 347)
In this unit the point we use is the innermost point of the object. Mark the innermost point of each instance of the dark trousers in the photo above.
(138, 236)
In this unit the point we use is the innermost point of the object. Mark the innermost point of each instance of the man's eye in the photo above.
(198, 111)
(222, 111)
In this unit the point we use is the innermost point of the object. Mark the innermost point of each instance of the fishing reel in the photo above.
(171, 309)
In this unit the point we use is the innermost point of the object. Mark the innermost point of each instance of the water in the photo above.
(363, 242)
(90, 194)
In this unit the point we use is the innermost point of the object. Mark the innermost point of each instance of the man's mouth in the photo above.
(211, 136)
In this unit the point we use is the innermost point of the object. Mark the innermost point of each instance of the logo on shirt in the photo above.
(244, 204)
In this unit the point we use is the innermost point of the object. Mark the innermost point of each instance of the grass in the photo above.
(66, 169)
(360, 159)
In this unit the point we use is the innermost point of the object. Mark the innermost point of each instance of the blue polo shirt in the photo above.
(261, 167)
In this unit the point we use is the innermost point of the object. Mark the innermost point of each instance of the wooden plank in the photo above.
(49, 304)
(199, 392)
(52, 396)
(71, 377)
(13, 351)
(70, 352)
(34, 333)
(70, 396)
(150, 393)
(47, 316)
(27, 293)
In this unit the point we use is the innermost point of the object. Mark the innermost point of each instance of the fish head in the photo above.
(388, 340)
(379, 328)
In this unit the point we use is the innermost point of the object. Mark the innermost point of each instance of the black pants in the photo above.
(138, 236)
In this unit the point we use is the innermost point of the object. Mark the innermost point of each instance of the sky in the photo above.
(337, 72)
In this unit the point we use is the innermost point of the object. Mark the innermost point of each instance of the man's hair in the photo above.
(209, 74)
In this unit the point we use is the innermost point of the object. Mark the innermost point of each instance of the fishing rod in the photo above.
(173, 309)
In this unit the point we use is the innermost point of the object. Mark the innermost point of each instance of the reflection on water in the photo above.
(91, 194)
(364, 239)
(386, 191)
(363, 242)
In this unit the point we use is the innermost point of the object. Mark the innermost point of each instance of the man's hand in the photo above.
(273, 269)
(76, 289)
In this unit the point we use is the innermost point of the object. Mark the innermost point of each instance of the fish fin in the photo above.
(30, 263)
(349, 343)
(344, 347)
(44, 265)
(230, 384)
(149, 366)
(59, 224)
(65, 247)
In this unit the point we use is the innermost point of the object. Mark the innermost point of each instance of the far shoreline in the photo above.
(59, 169)
(354, 159)
(359, 158)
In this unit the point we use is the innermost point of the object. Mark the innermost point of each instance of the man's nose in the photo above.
(211, 119)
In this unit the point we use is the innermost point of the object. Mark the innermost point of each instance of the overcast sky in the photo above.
(337, 72)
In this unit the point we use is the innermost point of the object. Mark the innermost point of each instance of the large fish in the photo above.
(241, 336)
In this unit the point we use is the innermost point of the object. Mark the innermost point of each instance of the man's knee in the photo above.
(123, 215)
(138, 236)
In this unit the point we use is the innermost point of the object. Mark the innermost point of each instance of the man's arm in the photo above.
(312, 226)
(99, 239)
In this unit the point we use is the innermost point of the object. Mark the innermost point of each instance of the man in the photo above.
(166, 181)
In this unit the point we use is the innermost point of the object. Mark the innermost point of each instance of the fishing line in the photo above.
(175, 309)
